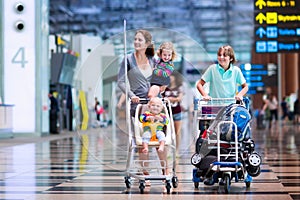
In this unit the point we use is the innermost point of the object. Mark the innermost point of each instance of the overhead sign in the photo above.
(277, 26)
(270, 5)
(259, 76)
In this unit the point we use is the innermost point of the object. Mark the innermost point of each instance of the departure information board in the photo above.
(277, 26)
(259, 76)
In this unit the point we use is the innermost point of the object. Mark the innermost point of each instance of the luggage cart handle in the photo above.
(225, 99)
(218, 99)
(141, 101)
(212, 100)
(146, 100)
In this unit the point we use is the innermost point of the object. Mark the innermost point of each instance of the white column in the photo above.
(19, 63)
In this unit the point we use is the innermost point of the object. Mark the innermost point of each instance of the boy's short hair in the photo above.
(228, 51)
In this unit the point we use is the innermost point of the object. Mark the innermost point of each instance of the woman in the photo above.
(139, 68)
(270, 105)
(140, 65)
(174, 92)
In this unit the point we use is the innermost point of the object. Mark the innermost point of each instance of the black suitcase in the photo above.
(260, 121)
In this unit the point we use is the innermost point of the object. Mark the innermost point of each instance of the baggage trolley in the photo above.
(205, 111)
(151, 169)
(230, 149)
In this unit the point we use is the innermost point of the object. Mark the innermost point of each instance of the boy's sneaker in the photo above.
(209, 181)
(221, 182)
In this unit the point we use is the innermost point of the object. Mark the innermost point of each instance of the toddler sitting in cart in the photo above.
(153, 122)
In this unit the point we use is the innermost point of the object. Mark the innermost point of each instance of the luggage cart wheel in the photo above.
(168, 186)
(196, 159)
(227, 183)
(196, 185)
(127, 182)
(142, 186)
(175, 182)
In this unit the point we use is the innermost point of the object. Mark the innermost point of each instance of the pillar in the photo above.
(291, 68)
(24, 63)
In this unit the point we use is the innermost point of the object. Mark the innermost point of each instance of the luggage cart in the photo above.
(225, 157)
(205, 111)
(151, 169)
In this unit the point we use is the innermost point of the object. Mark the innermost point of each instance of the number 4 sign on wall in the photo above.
(19, 57)
(20, 62)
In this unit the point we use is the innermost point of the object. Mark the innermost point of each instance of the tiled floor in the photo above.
(91, 165)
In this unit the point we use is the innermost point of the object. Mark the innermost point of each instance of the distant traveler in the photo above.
(53, 114)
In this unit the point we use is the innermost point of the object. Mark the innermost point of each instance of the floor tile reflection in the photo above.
(92, 164)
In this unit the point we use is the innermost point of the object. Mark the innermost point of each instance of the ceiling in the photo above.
(209, 23)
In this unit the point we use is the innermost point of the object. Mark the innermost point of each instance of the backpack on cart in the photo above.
(234, 113)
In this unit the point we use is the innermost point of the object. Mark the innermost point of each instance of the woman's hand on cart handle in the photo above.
(135, 99)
